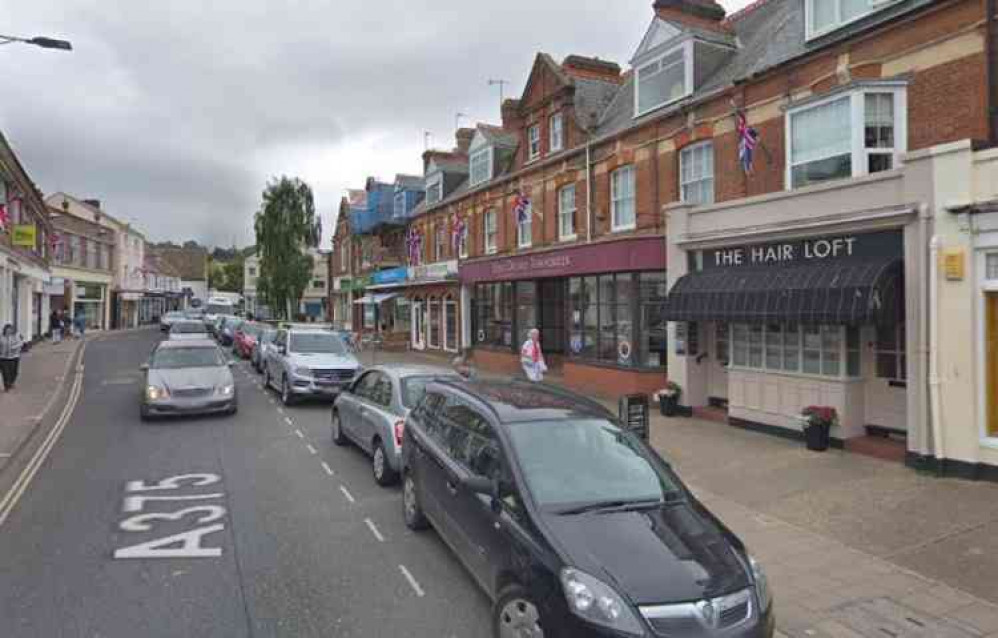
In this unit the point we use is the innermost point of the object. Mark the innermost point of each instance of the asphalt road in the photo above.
(282, 534)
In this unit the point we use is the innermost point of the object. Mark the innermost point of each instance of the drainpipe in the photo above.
(992, 66)
(934, 403)
(589, 190)
(923, 329)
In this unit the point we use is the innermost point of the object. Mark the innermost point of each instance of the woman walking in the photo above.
(532, 358)
(10, 356)
(55, 326)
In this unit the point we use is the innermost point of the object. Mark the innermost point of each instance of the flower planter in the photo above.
(668, 404)
(817, 437)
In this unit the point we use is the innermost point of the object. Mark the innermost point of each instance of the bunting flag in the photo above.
(748, 139)
(459, 231)
(521, 208)
(4, 219)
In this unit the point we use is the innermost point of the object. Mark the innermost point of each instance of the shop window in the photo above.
(811, 349)
(494, 305)
(434, 336)
(526, 309)
(402, 315)
(890, 353)
(654, 287)
(450, 325)
(604, 313)
(991, 266)
(852, 351)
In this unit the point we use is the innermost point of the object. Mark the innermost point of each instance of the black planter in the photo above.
(668, 405)
(816, 437)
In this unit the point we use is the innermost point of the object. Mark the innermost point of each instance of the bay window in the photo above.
(824, 16)
(622, 198)
(696, 173)
(820, 350)
(434, 188)
(849, 135)
(566, 213)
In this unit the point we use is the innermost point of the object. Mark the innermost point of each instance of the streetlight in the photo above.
(38, 41)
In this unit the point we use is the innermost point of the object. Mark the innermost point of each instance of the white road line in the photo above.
(311, 449)
(412, 581)
(328, 469)
(289, 421)
(299, 433)
(280, 410)
(347, 494)
(374, 530)
(271, 400)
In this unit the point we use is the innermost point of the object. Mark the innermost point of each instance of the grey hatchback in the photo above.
(372, 412)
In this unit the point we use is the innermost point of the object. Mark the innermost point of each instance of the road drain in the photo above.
(886, 618)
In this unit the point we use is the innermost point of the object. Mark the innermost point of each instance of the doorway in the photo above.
(991, 361)
(418, 319)
(717, 363)
(551, 318)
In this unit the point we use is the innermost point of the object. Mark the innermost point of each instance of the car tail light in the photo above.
(399, 432)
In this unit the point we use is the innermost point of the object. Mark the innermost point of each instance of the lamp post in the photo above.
(38, 41)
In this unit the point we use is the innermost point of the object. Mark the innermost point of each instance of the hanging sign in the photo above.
(25, 235)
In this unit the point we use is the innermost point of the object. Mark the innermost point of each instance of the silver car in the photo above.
(309, 363)
(187, 377)
(262, 348)
(372, 413)
(188, 330)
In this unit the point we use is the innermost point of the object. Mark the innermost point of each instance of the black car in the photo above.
(572, 525)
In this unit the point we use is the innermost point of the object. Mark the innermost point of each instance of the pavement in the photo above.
(256, 525)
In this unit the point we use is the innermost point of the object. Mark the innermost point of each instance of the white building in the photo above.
(251, 272)
(316, 296)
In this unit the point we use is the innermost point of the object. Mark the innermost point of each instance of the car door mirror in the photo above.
(231, 364)
(144, 367)
(479, 484)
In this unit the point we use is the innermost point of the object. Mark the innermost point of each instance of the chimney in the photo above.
(464, 137)
(95, 203)
(511, 114)
(594, 68)
(705, 14)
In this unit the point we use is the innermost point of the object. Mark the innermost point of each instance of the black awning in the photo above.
(834, 292)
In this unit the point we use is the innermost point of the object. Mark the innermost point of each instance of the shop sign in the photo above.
(24, 235)
(390, 276)
(341, 283)
(434, 272)
(819, 249)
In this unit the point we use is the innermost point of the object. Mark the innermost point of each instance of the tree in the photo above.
(286, 227)
(233, 272)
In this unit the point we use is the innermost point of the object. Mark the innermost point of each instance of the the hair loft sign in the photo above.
(818, 249)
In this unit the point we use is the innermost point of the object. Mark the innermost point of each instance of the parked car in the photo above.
(262, 348)
(572, 525)
(168, 319)
(308, 362)
(188, 330)
(245, 338)
(194, 313)
(372, 412)
(187, 377)
(226, 331)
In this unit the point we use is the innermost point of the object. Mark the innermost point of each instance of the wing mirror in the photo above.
(479, 484)
(144, 367)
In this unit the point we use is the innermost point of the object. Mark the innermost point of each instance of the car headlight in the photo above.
(597, 602)
(155, 393)
(303, 372)
(225, 390)
(761, 584)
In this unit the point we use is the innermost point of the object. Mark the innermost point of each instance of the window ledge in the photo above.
(568, 238)
(623, 229)
(796, 375)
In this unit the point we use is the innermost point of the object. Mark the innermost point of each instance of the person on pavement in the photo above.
(80, 323)
(532, 358)
(55, 326)
(10, 356)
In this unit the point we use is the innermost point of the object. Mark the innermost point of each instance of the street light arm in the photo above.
(38, 41)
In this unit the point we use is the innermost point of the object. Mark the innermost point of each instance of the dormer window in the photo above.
(664, 79)
(534, 142)
(481, 166)
(824, 16)
(434, 188)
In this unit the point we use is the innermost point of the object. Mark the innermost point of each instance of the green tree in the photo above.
(286, 227)
(233, 272)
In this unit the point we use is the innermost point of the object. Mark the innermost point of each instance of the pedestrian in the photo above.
(80, 323)
(10, 356)
(55, 326)
(531, 356)
(463, 366)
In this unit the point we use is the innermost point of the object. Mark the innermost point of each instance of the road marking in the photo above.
(311, 449)
(288, 421)
(280, 410)
(11, 498)
(300, 435)
(347, 494)
(412, 581)
(328, 469)
(374, 530)
(271, 400)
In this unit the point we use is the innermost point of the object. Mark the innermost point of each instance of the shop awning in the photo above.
(376, 300)
(836, 292)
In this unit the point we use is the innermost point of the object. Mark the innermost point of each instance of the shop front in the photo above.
(342, 303)
(435, 314)
(385, 309)
(599, 309)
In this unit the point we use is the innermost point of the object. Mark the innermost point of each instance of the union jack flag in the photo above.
(748, 139)
(4, 218)
(414, 245)
(458, 232)
(521, 208)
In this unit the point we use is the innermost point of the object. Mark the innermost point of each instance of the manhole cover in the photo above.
(886, 618)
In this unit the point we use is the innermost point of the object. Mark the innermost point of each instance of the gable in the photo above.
(545, 79)
(659, 33)
(478, 142)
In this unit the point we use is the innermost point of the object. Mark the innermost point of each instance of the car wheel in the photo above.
(144, 414)
(337, 429)
(415, 519)
(384, 475)
(516, 616)
(286, 396)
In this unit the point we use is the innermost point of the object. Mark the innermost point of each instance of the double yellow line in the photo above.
(17, 490)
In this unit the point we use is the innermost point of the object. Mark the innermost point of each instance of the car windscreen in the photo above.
(251, 330)
(317, 342)
(413, 388)
(187, 327)
(218, 309)
(572, 463)
(194, 357)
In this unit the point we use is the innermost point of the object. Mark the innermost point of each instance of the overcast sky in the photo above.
(176, 113)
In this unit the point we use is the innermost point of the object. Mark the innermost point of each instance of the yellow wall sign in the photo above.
(953, 265)
(24, 235)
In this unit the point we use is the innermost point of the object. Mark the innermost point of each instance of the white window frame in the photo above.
(431, 304)
(439, 242)
(533, 141)
(857, 117)
(449, 303)
(684, 157)
(525, 230)
(490, 232)
(486, 151)
(462, 244)
(614, 199)
(569, 213)
(687, 48)
(875, 5)
(843, 352)
(556, 132)
(434, 181)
